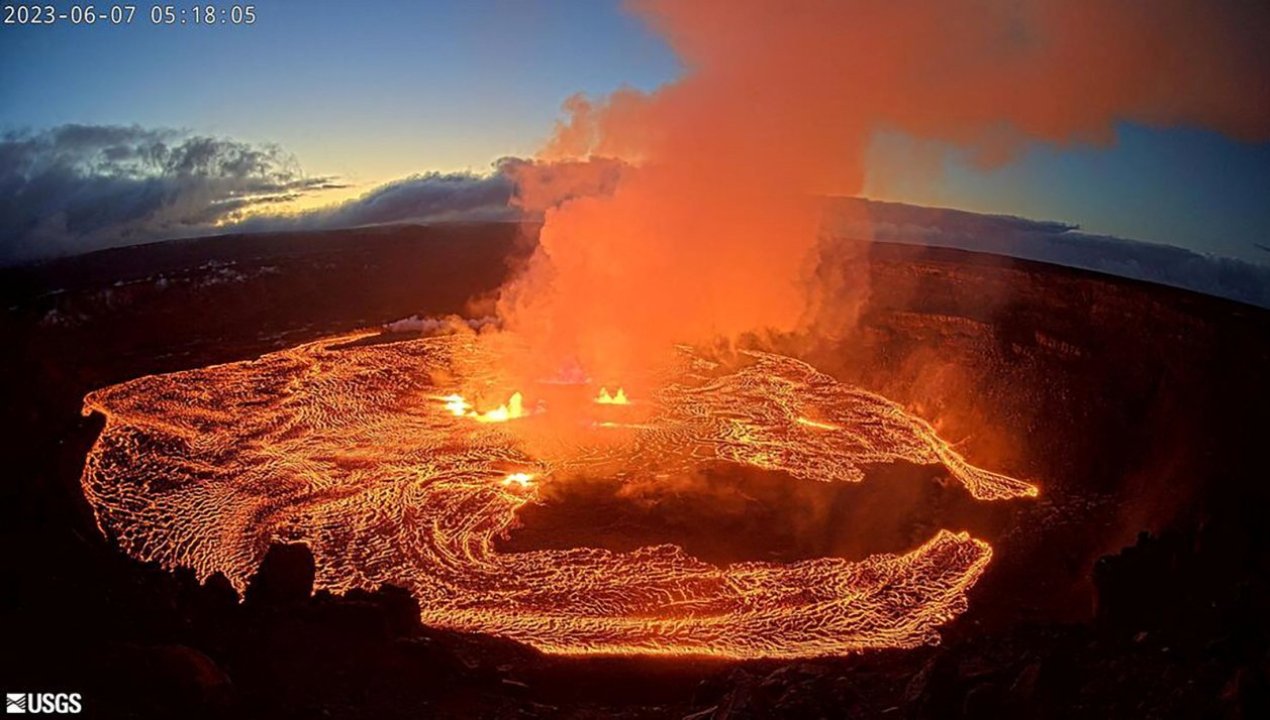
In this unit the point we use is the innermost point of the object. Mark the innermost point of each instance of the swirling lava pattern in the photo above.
(349, 448)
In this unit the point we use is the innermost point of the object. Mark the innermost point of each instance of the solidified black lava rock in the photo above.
(285, 577)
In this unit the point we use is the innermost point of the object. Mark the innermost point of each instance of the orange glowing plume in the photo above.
(710, 228)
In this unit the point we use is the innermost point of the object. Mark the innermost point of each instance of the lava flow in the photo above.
(372, 455)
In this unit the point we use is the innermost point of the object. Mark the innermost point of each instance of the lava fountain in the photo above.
(372, 455)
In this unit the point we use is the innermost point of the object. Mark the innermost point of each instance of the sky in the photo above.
(371, 92)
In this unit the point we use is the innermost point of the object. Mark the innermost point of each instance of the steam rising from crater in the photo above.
(710, 227)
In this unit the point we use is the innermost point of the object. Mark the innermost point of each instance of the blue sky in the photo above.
(373, 91)
(368, 90)
(1177, 186)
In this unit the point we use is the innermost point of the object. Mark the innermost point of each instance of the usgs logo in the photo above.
(52, 703)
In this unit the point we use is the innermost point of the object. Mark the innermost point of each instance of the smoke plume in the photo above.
(709, 230)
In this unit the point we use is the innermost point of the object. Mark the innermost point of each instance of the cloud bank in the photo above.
(433, 197)
(76, 188)
(515, 189)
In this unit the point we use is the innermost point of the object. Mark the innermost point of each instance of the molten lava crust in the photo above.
(369, 454)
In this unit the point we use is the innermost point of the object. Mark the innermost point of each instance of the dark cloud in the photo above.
(516, 189)
(432, 197)
(76, 188)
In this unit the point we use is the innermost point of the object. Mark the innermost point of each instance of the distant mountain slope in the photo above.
(1051, 242)
(847, 218)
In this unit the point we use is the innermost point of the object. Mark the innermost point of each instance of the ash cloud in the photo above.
(76, 188)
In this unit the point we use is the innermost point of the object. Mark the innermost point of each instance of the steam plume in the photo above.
(709, 231)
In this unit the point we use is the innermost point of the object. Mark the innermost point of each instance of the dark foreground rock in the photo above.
(285, 577)
(364, 654)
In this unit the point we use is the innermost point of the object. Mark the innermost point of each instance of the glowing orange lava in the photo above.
(392, 479)
(459, 407)
(605, 398)
(519, 479)
(816, 424)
